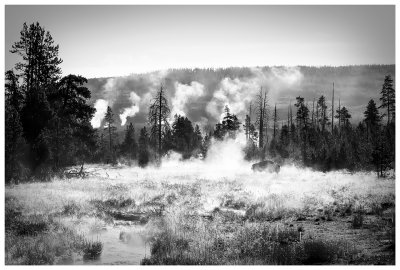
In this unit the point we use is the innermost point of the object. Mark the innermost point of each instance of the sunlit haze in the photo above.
(103, 41)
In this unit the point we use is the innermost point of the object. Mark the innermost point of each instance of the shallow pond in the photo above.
(123, 243)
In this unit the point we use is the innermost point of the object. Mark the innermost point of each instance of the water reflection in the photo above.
(122, 243)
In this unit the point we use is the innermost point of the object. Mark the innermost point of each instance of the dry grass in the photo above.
(209, 214)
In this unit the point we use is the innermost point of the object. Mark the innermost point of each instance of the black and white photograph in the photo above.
(170, 134)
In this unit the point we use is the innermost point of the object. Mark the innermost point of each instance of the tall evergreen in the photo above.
(372, 117)
(322, 117)
(69, 127)
(230, 123)
(129, 145)
(388, 98)
(302, 115)
(183, 136)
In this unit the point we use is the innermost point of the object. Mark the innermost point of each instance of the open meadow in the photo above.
(199, 134)
(202, 212)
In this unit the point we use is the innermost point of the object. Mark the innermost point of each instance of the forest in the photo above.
(47, 125)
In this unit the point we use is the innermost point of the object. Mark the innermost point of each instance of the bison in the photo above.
(266, 165)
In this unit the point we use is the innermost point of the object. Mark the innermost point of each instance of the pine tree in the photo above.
(372, 117)
(183, 136)
(39, 70)
(230, 123)
(71, 117)
(343, 116)
(219, 132)
(388, 98)
(322, 117)
(302, 115)
(40, 61)
(129, 146)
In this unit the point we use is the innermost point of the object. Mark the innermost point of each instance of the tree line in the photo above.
(318, 136)
(317, 141)
(47, 124)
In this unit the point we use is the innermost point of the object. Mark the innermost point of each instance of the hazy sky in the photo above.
(118, 40)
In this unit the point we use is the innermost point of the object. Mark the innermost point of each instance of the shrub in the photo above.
(358, 220)
(318, 252)
(92, 250)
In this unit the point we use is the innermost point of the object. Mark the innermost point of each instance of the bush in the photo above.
(358, 220)
(318, 252)
(92, 250)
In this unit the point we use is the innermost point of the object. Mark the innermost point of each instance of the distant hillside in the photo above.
(202, 93)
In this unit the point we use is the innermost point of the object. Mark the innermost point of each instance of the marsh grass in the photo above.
(197, 216)
(249, 243)
(37, 239)
(92, 249)
(43, 246)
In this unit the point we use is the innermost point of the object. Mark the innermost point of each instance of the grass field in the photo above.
(203, 212)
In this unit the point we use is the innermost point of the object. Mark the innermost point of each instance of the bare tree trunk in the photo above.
(109, 134)
(388, 108)
(317, 117)
(274, 120)
(291, 116)
(261, 122)
(312, 114)
(339, 116)
(159, 126)
(57, 145)
(333, 100)
(265, 116)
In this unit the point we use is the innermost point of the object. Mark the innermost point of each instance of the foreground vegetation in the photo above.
(192, 216)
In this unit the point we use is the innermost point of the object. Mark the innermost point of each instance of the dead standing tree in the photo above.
(109, 126)
(262, 111)
(158, 113)
(275, 121)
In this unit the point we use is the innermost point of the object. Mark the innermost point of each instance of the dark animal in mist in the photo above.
(266, 165)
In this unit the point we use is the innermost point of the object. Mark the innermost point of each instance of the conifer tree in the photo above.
(388, 98)
(129, 146)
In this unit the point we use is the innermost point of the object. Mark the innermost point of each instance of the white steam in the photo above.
(237, 93)
(224, 159)
(131, 111)
(110, 90)
(101, 109)
(184, 95)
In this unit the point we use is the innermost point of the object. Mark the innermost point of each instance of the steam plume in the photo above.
(184, 95)
(131, 111)
(101, 109)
